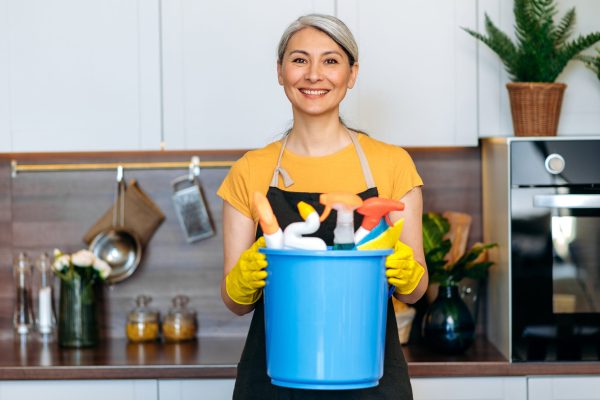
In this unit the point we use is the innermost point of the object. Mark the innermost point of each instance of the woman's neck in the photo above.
(317, 136)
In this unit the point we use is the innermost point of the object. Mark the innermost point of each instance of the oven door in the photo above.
(555, 274)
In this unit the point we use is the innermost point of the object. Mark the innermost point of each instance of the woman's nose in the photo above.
(314, 72)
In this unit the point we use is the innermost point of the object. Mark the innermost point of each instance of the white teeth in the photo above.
(314, 92)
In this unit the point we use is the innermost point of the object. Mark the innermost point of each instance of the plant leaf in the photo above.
(434, 228)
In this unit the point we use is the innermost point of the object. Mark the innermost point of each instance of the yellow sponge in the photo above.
(386, 240)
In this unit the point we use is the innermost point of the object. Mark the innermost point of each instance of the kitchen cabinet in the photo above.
(470, 388)
(210, 389)
(564, 388)
(219, 71)
(76, 390)
(417, 82)
(78, 76)
(581, 101)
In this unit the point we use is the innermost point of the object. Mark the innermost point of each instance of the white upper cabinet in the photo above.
(219, 71)
(79, 75)
(417, 83)
(581, 103)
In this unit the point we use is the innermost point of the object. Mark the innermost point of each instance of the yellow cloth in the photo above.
(391, 166)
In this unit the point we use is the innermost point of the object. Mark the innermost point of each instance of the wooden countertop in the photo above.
(217, 358)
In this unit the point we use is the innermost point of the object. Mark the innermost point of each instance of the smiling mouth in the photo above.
(314, 92)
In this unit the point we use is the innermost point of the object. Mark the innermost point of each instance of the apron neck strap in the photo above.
(288, 181)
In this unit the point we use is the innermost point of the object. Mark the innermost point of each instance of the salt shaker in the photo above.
(45, 316)
(23, 314)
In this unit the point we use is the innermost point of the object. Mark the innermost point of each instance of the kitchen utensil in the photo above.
(143, 215)
(23, 319)
(118, 246)
(191, 206)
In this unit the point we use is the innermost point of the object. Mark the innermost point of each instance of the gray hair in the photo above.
(330, 25)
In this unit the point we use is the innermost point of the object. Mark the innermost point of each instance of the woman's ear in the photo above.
(353, 75)
(279, 77)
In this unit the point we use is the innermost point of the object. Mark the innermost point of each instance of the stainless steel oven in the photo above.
(552, 241)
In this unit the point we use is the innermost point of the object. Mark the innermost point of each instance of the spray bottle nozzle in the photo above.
(374, 208)
(340, 202)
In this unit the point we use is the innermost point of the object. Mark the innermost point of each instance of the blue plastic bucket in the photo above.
(325, 317)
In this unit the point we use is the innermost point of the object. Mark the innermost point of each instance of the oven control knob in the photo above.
(555, 163)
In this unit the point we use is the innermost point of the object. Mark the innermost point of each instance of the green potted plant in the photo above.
(536, 58)
(448, 325)
(592, 62)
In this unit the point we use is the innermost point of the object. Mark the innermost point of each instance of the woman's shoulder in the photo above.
(263, 154)
(375, 147)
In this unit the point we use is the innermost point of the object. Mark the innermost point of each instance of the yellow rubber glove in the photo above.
(245, 281)
(402, 270)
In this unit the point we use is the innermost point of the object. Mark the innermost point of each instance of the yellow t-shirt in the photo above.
(392, 168)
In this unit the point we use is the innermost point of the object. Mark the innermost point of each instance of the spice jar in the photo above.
(180, 322)
(142, 321)
(23, 319)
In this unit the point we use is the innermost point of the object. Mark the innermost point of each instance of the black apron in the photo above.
(252, 381)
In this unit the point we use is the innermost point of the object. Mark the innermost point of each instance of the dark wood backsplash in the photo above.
(43, 211)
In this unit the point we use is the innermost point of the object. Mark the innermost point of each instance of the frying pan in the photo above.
(118, 246)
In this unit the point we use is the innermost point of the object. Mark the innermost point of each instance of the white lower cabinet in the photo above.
(77, 390)
(564, 388)
(192, 389)
(488, 388)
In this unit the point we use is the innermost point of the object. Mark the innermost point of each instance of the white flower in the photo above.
(102, 267)
(83, 258)
(61, 262)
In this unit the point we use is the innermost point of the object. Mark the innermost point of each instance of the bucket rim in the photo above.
(327, 253)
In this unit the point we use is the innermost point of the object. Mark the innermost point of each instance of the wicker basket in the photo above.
(535, 107)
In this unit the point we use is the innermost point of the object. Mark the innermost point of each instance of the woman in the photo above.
(317, 63)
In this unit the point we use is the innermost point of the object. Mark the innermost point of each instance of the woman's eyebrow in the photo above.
(326, 53)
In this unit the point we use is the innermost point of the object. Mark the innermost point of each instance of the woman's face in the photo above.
(315, 72)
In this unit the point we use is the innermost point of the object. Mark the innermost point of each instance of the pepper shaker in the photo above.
(23, 314)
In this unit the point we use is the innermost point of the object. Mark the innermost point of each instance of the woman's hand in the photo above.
(402, 270)
(245, 281)
(239, 233)
(412, 237)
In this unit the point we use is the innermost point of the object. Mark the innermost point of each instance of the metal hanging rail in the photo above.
(194, 163)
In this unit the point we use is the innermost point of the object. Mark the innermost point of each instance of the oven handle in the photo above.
(566, 201)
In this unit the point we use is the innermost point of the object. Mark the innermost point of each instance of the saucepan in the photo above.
(118, 246)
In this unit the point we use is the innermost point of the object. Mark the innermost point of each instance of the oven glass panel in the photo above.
(576, 267)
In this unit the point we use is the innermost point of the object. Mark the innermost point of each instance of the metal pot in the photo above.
(118, 246)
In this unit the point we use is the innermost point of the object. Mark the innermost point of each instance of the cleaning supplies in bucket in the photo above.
(331, 334)
(268, 222)
(374, 209)
(292, 235)
(344, 204)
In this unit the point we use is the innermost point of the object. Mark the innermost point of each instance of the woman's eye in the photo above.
(331, 61)
(299, 60)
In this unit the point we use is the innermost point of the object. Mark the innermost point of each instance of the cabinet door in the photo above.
(191, 389)
(581, 102)
(417, 82)
(564, 388)
(77, 390)
(219, 66)
(493, 388)
(79, 75)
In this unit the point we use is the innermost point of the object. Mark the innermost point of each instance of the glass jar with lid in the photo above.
(142, 321)
(180, 323)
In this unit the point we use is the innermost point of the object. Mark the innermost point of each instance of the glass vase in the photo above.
(77, 326)
(448, 325)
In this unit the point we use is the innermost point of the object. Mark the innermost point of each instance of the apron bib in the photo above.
(252, 381)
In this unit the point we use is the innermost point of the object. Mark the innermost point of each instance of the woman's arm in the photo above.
(412, 235)
(239, 232)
